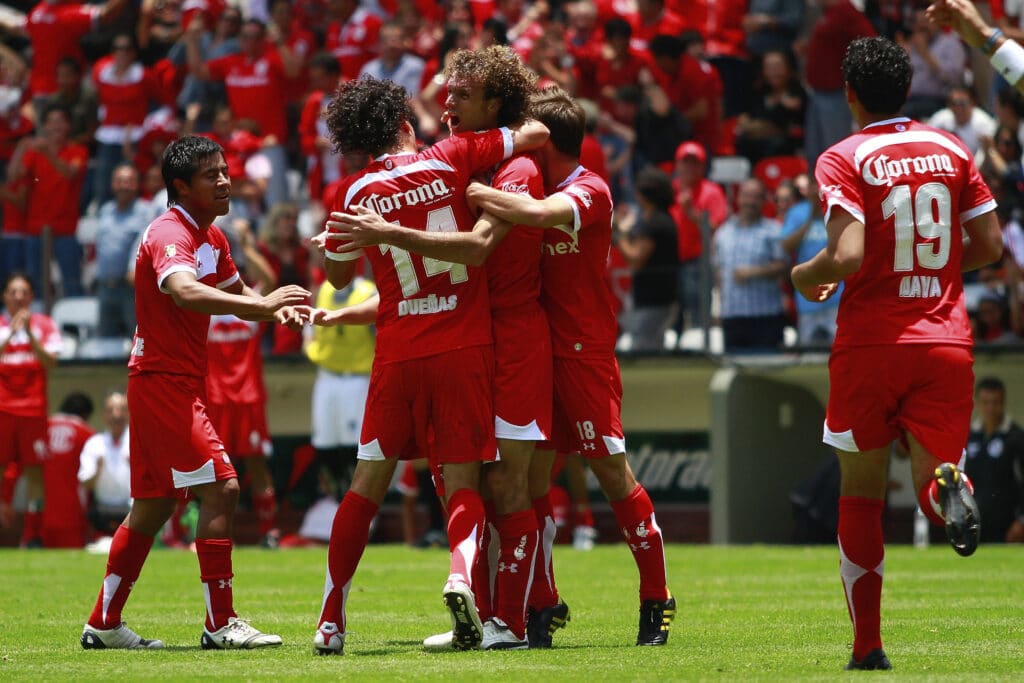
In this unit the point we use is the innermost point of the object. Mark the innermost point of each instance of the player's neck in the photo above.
(561, 167)
(203, 219)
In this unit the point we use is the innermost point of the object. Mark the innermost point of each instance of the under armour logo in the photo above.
(589, 446)
(224, 583)
(512, 568)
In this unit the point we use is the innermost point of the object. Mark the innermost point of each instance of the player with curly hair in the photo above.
(434, 363)
(896, 197)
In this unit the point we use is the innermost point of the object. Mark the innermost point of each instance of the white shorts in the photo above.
(338, 404)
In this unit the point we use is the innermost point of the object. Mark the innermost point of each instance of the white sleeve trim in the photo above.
(180, 268)
(230, 281)
(575, 209)
(343, 255)
(990, 205)
(506, 136)
(1008, 60)
(852, 210)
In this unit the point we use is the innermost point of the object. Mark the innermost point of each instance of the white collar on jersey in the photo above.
(186, 214)
(572, 176)
(896, 119)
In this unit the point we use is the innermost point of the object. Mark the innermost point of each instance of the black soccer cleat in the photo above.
(963, 519)
(873, 661)
(655, 620)
(542, 624)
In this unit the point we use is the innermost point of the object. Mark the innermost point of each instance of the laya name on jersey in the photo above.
(428, 305)
(883, 170)
(919, 287)
(421, 194)
(570, 247)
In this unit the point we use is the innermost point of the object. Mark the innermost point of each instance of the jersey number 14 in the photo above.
(438, 220)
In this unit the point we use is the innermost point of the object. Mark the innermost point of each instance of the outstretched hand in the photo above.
(817, 293)
(294, 317)
(358, 228)
(289, 295)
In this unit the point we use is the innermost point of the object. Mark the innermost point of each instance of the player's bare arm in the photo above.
(520, 209)
(984, 242)
(363, 313)
(818, 278)
(530, 134)
(362, 227)
(192, 295)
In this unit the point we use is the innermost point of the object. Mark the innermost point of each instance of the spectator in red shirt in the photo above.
(126, 89)
(698, 200)
(81, 102)
(620, 65)
(584, 40)
(323, 162)
(691, 85)
(352, 36)
(55, 169)
(256, 81)
(285, 30)
(283, 249)
(652, 19)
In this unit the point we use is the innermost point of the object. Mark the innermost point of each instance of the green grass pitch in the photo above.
(751, 612)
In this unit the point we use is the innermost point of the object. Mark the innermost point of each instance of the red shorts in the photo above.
(172, 442)
(450, 393)
(522, 374)
(242, 427)
(24, 439)
(587, 417)
(879, 393)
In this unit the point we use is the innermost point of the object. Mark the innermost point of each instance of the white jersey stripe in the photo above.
(397, 172)
(868, 147)
(965, 216)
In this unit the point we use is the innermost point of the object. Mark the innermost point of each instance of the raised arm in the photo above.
(520, 209)
(530, 134)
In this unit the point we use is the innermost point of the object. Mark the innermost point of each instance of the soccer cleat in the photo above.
(328, 640)
(542, 624)
(873, 661)
(271, 540)
(118, 638)
(440, 641)
(583, 537)
(498, 636)
(237, 635)
(655, 620)
(467, 631)
(963, 519)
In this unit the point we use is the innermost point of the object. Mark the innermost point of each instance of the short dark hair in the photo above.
(56, 106)
(663, 45)
(655, 186)
(70, 62)
(366, 115)
(182, 158)
(879, 72)
(77, 403)
(501, 74)
(563, 116)
(325, 61)
(18, 275)
(990, 384)
(617, 27)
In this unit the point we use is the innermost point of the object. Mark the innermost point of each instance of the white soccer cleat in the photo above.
(498, 636)
(328, 640)
(583, 537)
(466, 627)
(237, 635)
(440, 641)
(118, 638)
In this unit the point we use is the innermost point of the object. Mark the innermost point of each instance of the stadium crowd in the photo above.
(708, 93)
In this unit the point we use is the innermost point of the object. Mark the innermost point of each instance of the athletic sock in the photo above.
(861, 566)
(215, 572)
(543, 591)
(465, 523)
(486, 565)
(519, 537)
(32, 523)
(635, 515)
(266, 510)
(128, 551)
(349, 535)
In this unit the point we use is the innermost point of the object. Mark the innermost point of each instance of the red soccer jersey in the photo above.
(55, 31)
(576, 289)
(354, 42)
(169, 339)
(22, 376)
(236, 365)
(49, 188)
(66, 435)
(427, 306)
(513, 269)
(256, 89)
(913, 187)
(124, 100)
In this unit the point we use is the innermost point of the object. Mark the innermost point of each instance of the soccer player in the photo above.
(67, 434)
(576, 295)
(29, 344)
(896, 198)
(183, 274)
(489, 88)
(434, 362)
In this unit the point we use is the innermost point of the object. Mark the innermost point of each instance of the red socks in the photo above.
(32, 524)
(519, 537)
(349, 535)
(465, 524)
(635, 515)
(128, 552)
(928, 500)
(215, 572)
(486, 565)
(266, 510)
(543, 592)
(861, 565)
